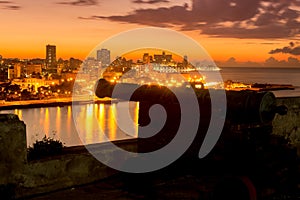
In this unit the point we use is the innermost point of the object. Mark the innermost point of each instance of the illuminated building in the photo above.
(51, 58)
(103, 55)
(33, 69)
(14, 71)
(163, 58)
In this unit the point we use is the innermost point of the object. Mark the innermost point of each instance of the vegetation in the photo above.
(46, 147)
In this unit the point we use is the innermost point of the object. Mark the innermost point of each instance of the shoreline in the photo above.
(59, 102)
(81, 100)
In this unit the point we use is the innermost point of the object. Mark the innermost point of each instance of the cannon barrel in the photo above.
(242, 106)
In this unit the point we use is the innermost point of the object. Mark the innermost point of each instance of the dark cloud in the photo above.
(270, 62)
(291, 62)
(80, 2)
(161, 17)
(150, 1)
(287, 50)
(222, 18)
(270, 31)
(13, 7)
(268, 43)
(292, 44)
(224, 10)
(9, 5)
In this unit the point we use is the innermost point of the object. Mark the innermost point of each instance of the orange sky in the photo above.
(28, 26)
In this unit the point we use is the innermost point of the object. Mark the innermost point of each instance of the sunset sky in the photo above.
(230, 30)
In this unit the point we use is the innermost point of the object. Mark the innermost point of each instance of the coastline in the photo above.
(57, 102)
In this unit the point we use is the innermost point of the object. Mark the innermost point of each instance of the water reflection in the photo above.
(112, 123)
(47, 122)
(58, 121)
(92, 123)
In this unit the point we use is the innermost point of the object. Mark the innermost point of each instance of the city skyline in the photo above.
(234, 31)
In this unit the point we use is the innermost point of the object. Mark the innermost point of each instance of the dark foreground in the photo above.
(182, 187)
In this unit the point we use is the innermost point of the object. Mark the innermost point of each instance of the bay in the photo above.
(94, 123)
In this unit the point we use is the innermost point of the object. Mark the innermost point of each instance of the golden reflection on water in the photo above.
(89, 118)
(58, 121)
(112, 122)
(136, 118)
(101, 120)
(98, 123)
(92, 123)
(69, 120)
(47, 122)
(19, 113)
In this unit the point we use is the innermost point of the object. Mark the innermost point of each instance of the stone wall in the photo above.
(75, 166)
(13, 152)
(289, 125)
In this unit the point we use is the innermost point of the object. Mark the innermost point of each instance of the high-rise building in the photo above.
(103, 55)
(51, 57)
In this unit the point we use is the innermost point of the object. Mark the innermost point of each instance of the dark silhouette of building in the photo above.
(185, 61)
(51, 64)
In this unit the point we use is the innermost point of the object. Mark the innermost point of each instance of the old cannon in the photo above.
(247, 154)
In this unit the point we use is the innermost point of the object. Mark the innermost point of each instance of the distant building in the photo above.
(37, 61)
(146, 58)
(31, 69)
(51, 65)
(163, 58)
(103, 55)
(74, 64)
(185, 61)
(15, 71)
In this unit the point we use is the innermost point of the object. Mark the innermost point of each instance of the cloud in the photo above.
(287, 50)
(222, 18)
(270, 62)
(269, 43)
(160, 17)
(13, 7)
(291, 62)
(9, 5)
(80, 2)
(150, 1)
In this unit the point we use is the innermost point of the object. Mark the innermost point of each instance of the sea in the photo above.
(95, 123)
(290, 76)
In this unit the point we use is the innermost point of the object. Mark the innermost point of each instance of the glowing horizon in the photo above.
(77, 28)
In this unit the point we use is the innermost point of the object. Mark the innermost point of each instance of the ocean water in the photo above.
(265, 75)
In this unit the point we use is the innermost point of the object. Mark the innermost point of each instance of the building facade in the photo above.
(103, 55)
(15, 71)
(51, 64)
